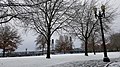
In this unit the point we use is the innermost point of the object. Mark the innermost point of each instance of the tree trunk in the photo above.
(3, 52)
(93, 46)
(117, 49)
(86, 49)
(48, 48)
(64, 51)
(48, 43)
(43, 50)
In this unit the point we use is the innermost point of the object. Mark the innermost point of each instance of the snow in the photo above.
(41, 61)
(115, 64)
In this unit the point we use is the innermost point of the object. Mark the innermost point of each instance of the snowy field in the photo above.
(41, 61)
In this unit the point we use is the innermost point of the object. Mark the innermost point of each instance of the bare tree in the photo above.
(64, 44)
(41, 43)
(13, 9)
(114, 41)
(47, 18)
(7, 12)
(84, 22)
(9, 39)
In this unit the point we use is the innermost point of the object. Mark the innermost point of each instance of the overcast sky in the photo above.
(30, 37)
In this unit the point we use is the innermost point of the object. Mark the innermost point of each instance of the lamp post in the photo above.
(100, 16)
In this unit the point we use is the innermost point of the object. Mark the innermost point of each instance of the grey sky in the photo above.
(30, 38)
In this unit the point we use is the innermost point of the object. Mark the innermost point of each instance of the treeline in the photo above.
(112, 44)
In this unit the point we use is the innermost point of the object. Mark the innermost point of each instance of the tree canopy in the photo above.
(9, 39)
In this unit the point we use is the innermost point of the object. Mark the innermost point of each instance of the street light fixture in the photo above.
(100, 16)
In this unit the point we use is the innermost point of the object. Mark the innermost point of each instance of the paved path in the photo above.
(91, 63)
(114, 63)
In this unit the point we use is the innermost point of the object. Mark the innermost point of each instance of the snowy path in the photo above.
(115, 64)
(90, 63)
(40, 61)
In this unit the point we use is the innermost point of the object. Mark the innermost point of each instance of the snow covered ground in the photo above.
(41, 61)
(115, 64)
